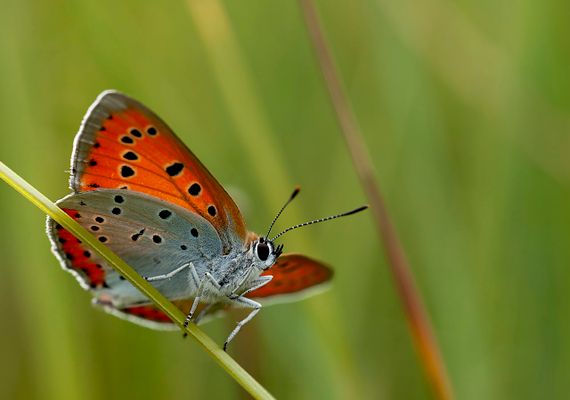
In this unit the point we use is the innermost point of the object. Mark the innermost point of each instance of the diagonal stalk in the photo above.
(221, 357)
(417, 317)
(237, 87)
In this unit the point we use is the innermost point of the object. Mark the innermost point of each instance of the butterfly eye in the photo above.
(262, 251)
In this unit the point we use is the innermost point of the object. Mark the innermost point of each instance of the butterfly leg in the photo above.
(170, 274)
(244, 302)
(208, 279)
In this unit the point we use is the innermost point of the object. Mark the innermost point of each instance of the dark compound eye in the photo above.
(262, 251)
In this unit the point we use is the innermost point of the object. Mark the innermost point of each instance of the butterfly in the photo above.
(145, 195)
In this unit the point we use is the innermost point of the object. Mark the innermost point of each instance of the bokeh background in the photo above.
(465, 109)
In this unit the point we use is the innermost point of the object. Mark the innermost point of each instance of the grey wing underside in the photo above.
(152, 236)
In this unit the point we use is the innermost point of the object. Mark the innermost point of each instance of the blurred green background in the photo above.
(465, 109)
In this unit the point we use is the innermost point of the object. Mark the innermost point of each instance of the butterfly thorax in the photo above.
(237, 272)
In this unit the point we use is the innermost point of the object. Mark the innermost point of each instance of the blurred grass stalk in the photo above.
(222, 358)
(238, 90)
(418, 319)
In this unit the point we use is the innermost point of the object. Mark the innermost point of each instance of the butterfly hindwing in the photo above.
(122, 144)
(293, 274)
(151, 316)
(153, 236)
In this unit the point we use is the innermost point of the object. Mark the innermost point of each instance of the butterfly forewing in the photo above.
(124, 145)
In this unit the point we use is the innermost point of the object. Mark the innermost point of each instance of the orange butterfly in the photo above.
(143, 193)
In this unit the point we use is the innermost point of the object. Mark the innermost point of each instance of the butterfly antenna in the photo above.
(316, 221)
(293, 195)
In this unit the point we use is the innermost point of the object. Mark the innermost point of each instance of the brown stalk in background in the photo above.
(418, 320)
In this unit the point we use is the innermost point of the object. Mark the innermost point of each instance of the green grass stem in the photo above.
(429, 354)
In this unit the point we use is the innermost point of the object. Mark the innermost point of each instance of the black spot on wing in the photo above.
(131, 156)
(164, 214)
(127, 140)
(136, 236)
(127, 171)
(136, 133)
(174, 169)
(194, 189)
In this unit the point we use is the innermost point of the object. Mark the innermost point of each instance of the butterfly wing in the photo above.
(155, 237)
(123, 145)
(150, 316)
(293, 275)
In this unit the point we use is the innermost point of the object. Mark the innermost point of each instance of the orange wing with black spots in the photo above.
(124, 145)
(292, 274)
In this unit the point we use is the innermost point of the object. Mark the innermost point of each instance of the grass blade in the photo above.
(49, 208)
(418, 319)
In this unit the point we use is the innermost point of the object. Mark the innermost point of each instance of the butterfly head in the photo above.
(265, 253)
